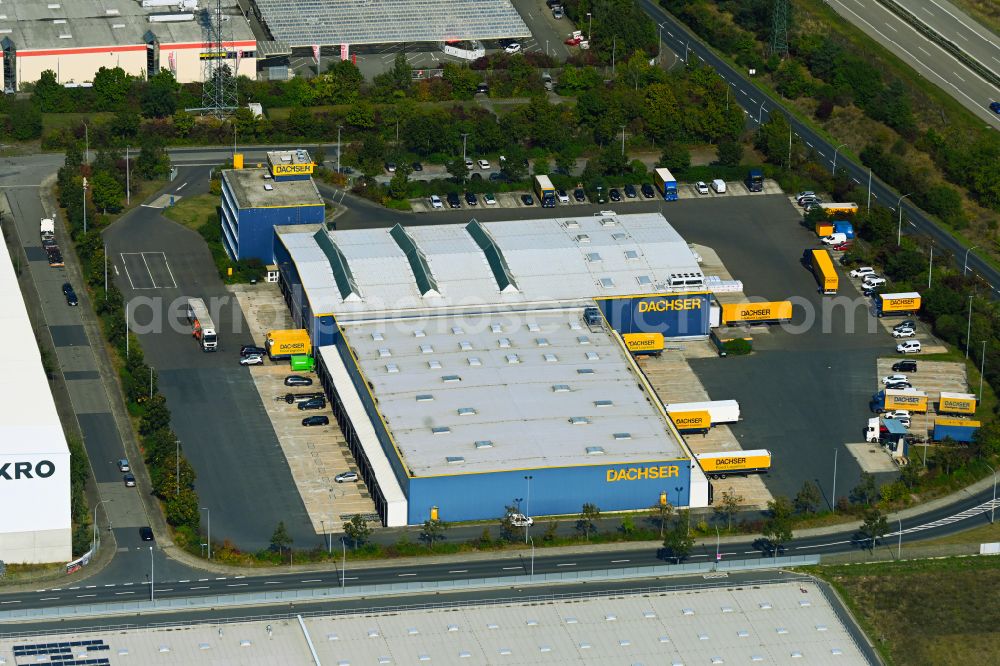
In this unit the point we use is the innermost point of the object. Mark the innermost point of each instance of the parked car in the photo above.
(904, 333)
(123, 466)
(896, 414)
(719, 186)
(805, 202)
(904, 366)
(471, 199)
(318, 420)
(573, 41)
(489, 199)
(802, 195)
(557, 12)
(520, 520)
(55, 257)
(469, 164)
(346, 477)
(247, 350)
(70, 295)
(648, 191)
(313, 403)
(615, 194)
(527, 200)
(873, 281)
(252, 359)
(862, 271)
(497, 177)
(482, 89)
(899, 385)
(484, 165)
(146, 533)
(908, 347)
(906, 323)
(129, 480)
(579, 194)
(390, 167)
(890, 379)
(417, 166)
(995, 107)
(562, 196)
(630, 191)
(843, 247)
(601, 198)
(701, 187)
(436, 201)
(453, 201)
(512, 48)
(298, 380)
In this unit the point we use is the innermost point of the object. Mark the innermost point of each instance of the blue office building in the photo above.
(255, 200)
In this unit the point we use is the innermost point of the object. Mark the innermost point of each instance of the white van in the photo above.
(835, 239)
(908, 347)
(719, 186)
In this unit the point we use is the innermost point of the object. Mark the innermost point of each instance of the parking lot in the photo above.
(931, 377)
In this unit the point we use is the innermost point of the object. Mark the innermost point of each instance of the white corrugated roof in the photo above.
(518, 380)
(29, 422)
(549, 260)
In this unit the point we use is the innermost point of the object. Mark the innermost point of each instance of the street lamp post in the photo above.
(930, 267)
(678, 489)
(94, 547)
(152, 596)
(86, 144)
(465, 137)
(965, 268)
(527, 506)
(994, 491)
(128, 180)
(717, 546)
(590, 25)
(833, 494)
(177, 467)
(899, 548)
(208, 513)
(531, 576)
(659, 42)
(982, 369)
(339, 127)
(899, 225)
(968, 330)
(623, 140)
(343, 567)
(760, 113)
(835, 151)
(85, 207)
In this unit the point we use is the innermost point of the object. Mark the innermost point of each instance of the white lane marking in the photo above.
(200, 587)
(964, 25)
(959, 77)
(742, 92)
(238, 577)
(271, 582)
(753, 100)
(116, 270)
(924, 50)
(702, 555)
(134, 583)
(75, 588)
(90, 587)
(10, 602)
(856, 180)
(146, 263)
(311, 580)
(180, 581)
(891, 27)
(48, 598)
(355, 577)
(459, 571)
(165, 589)
(618, 561)
(511, 568)
(118, 594)
(110, 585)
(237, 584)
(183, 185)
(821, 154)
(912, 225)
(81, 596)
(567, 564)
(928, 11)
(407, 574)
(962, 36)
(223, 578)
(202, 580)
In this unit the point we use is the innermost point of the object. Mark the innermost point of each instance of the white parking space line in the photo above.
(127, 274)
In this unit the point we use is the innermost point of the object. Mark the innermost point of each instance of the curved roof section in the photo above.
(418, 262)
(338, 265)
(494, 255)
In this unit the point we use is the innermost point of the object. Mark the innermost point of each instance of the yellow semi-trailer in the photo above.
(956, 403)
(720, 465)
(644, 343)
(843, 208)
(286, 343)
(694, 421)
(824, 271)
(903, 303)
(773, 311)
(892, 399)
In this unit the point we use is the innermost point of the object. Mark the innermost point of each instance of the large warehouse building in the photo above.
(466, 373)
(76, 38)
(35, 523)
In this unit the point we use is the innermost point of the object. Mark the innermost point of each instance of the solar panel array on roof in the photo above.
(330, 22)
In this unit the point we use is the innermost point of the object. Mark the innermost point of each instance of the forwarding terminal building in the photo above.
(469, 366)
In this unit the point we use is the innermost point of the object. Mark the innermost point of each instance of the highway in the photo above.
(930, 60)
(956, 26)
(758, 106)
(972, 512)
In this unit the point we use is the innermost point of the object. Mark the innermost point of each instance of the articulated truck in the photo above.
(202, 327)
(723, 464)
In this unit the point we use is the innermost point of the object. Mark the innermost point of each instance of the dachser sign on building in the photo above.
(672, 315)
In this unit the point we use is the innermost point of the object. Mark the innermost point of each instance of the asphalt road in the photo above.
(927, 58)
(964, 515)
(759, 106)
(956, 26)
(243, 478)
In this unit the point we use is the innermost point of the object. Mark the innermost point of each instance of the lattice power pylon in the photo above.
(219, 96)
(779, 28)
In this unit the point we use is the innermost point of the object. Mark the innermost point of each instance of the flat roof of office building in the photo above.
(308, 22)
(29, 423)
(778, 623)
(508, 390)
(71, 24)
(254, 188)
(356, 273)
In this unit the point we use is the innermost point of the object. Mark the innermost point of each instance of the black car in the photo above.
(250, 350)
(298, 380)
(482, 89)
(527, 200)
(70, 294)
(146, 533)
(476, 176)
(497, 177)
(471, 199)
(615, 194)
(579, 195)
(906, 323)
(453, 201)
(320, 420)
(630, 191)
(315, 403)
(648, 191)
(904, 366)
(417, 166)
(899, 385)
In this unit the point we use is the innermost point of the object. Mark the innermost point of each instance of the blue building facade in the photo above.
(673, 315)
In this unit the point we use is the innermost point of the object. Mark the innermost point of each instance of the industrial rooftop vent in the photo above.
(595, 450)
(572, 224)
(582, 238)
(608, 221)
(623, 435)
(424, 397)
(484, 444)
(560, 388)
(466, 411)
(603, 403)
(426, 283)
(454, 460)
(631, 254)
(342, 275)
(579, 420)
(494, 257)
(440, 430)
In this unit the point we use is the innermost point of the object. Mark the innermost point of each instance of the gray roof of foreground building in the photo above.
(29, 423)
(254, 188)
(508, 263)
(778, 623)
(508, 390)
(330, 22)
(69, 24)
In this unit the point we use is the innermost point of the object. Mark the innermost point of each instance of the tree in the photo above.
(433, 531)
(729, 506)
(153, 160)
(159, 96)
(661, 513)
(25, 121)
(125, 124)
(612, 162)
(588, 515)
(675, 157)
(874, 526)
(808, 498)
(280, 538)
(182, 510)
(340, 85)
(49, 96)
(778, 526)
(184, 122)
(541, 167)
(865, 492)
(357, 530)
(730, 153)
(106, 192)
(515, 166)
(397, 186)
(772, 138)
(679, 542)
(508, 530)
(458, 170)
(156, 416)
(111, 87)
(463, 80)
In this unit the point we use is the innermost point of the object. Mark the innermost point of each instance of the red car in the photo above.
(843, 247)
(573, 41)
